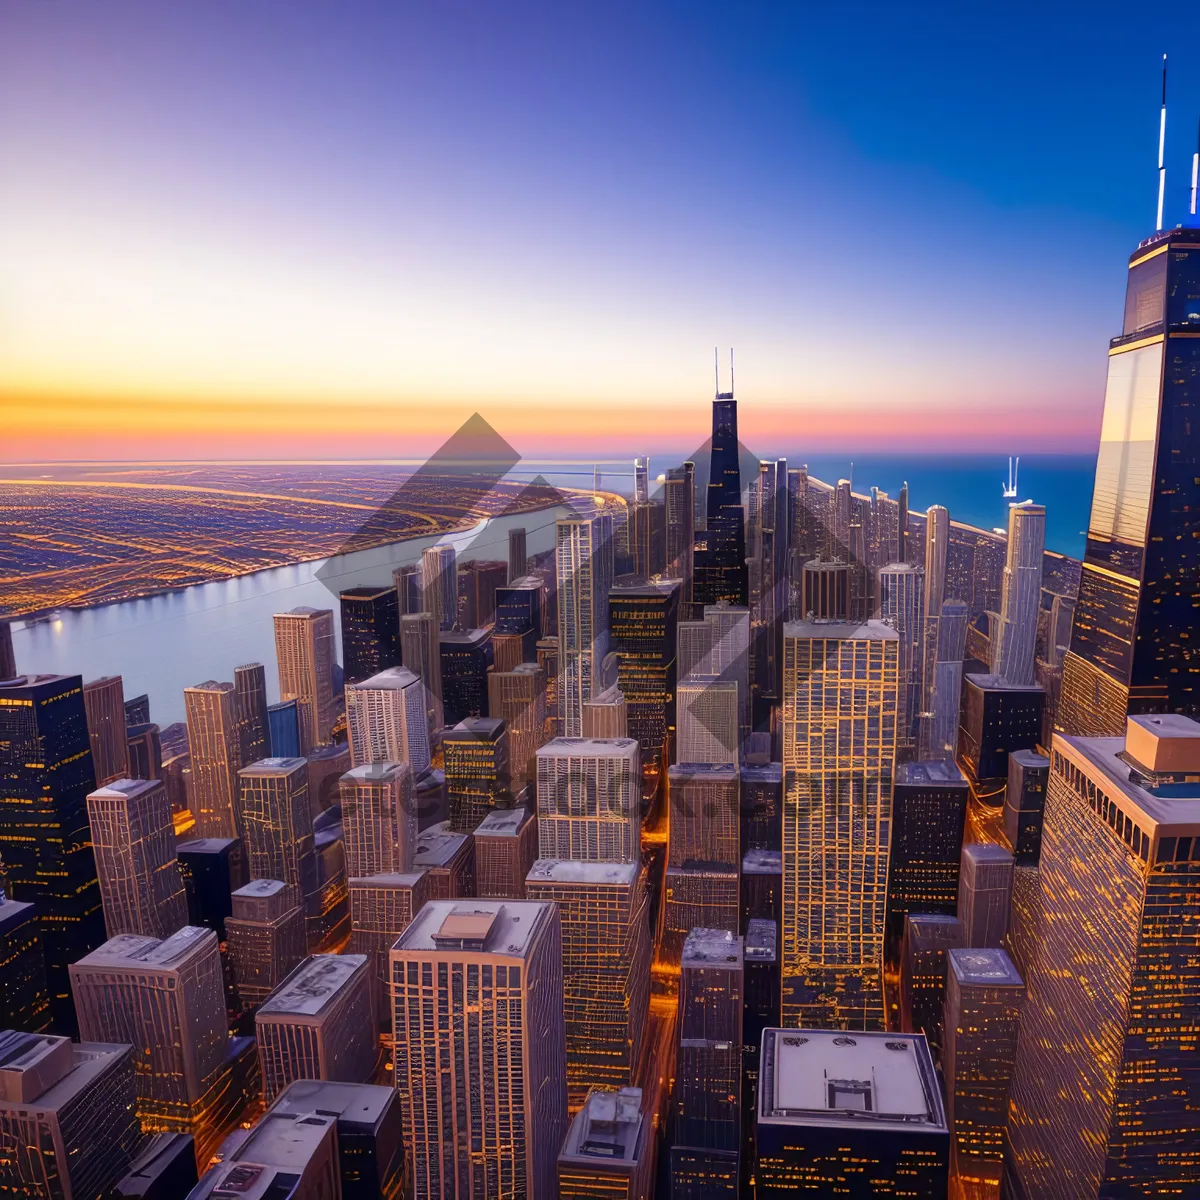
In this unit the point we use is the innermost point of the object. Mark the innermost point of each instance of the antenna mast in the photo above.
(1162, 144)
(1195, 171)
(717, 370)
(731, 372)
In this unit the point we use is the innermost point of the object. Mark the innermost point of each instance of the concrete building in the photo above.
(584, 569)
(387, 720)
(861, 1112)
(133, 839)
(606, 715)
(304, 650)
(985, 894)
(449, 858)
(265, 938)
(503, 1119)
(609, 1151)
(215, 746)
(379, 818)
(505, 850)
(381, 908)
(422, 655)
(707, 719)
(318, 1024)
(518, 698)
(67, 1122)
(104, 702)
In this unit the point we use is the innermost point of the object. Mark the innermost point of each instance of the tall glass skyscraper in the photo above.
(1138, 595)
(720, 572)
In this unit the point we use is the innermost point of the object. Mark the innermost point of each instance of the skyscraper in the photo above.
(448, 858)
(839, 736)
(761, 806)
(937, 557)
(250, 710)
(1105, 1098)
(479, 580)
(707, 720)
(505, 851)
(277, 824)
(1129, 649)
(422, 655)
(212, 870)
(143, 745)
(67, 1120)
(517, 553)
(941, 740)
(409, 593)
(1021, 600)
(8, 660)
(861, 1113)
(720, 572)
(466, 660)
(475, 753)
(283, 726)
(927, 938)
(370, 631)
(583, 557)
(387, 720)
(609, 1149)
(104, 701)
(216, 751)
(768, 587)
(1025, 805)
(265, 933)
(589, 797)
(45, 777)
(985, 894)
(606, 715)
(679, 501)
(902, 606)
(167, 1000)
(133, 839)
(24, 999)
(984, 995)
(439, 585)
(518, 698)
(606, 953)
(718, 647)
(706, 1131)
(504, 1120)
(379, 819)
(304, 650)
(319, 1023)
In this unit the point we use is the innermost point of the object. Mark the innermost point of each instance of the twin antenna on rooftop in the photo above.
(717, 373)
(1162, 145)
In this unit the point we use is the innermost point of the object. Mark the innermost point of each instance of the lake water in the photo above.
(162, 644)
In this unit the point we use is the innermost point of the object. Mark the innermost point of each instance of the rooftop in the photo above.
(49, 1070)
(13, 912)
(842, 631)
(437, 845)
(511, 925)
(387, 879)
(127, 948)
(712, 948)
(997, 683)
(562, 870)
(314, 983)
(1028, 758)
(275, 766)
(304, 610)
(566, 747)
(475, 729)
(258, 889)
(206, 845)
(724, 772)
(860, 1080)
(770, 772)
(658, 586)
(121, 789)
(762, 862)
(982, 967)
(286, 1139)
(760, 942)
(356, 1104)
(503, 822)
(932, 771)
(608, 1127)
(378, 772)
(986, 852)
(393, 679)
(1166, 743)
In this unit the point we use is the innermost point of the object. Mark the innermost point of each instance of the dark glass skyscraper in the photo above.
(1139, 594)
(720, 572)
(45, 777)
(370, 631)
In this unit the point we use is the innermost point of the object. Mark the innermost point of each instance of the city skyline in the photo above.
(293, 257)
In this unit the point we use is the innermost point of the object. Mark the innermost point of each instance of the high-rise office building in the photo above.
(216, 752)
(861, 1113)
(370, 631)
(277, 824)
(133, 839)
(379, 819)
(511, 1107)
(704, 825)
(762, 886)
(769, 586)
(641, 479)
(839, 736)
(518, 698)
(606, 955)
(283, 727)
(381, 908)
(45, 777)
(25, 998)
(609, 1150)
(720, 571)
(583, 556)
(901, 605)
(250, 710)
(265, 932)
(589, 796)
(937, 554)
(1105, 1097)
(760, 1011)
(707, 719)
(984, 995)
(304, 650)
(985, 894)
(475, 754)
(647, 538)
(706, 1129)
(387, 720)
(998, 717)
(212, 870)
(449, 860)
(466, 660)
(422, 655)
(941, 738)
(1021, 600)
(167, 1000)
(642, 620)
(67, 1123)
(143, 746)
(509, 651)
(1130, 649)
(104, 702)
(319, 1023)
(1025, 805)
(326, 766)
(478, 583)
(505, 851)
(137, 710)
(761, 806)
(606, 715)
(929, 809)
(517, 553)
(679, 500)
(520, 606)
(8, 660)
(439, 585)
(410, 595)
(927, 938)
(718, 647)
(824, 591)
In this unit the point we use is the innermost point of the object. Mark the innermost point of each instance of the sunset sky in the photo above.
(287, 227)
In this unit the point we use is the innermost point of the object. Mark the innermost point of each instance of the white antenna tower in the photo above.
(1195, 171)
(1162, 145)
(1010, 490)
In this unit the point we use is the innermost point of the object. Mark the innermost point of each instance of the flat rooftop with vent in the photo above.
(314, 983)
(503, 927)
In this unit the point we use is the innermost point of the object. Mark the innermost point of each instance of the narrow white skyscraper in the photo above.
(1021, 598)
(386, 719)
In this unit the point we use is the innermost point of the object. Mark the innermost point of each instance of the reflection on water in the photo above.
(162, 644)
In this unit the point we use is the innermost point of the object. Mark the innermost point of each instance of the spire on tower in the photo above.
(1162, 145)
